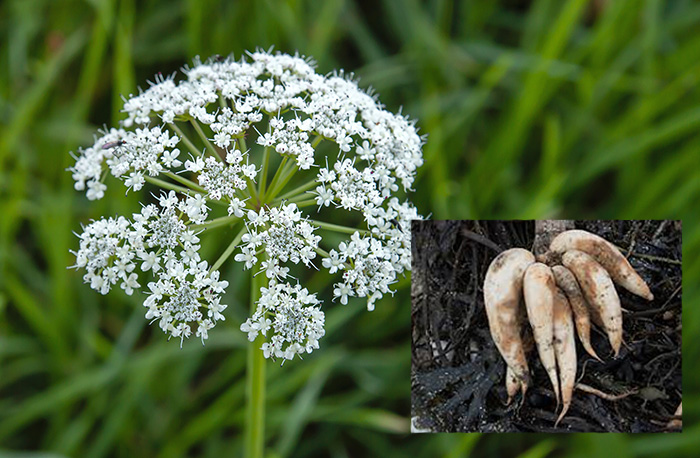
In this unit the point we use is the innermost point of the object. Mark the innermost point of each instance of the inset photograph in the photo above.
(546, 326)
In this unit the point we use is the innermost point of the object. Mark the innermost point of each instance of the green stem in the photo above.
(255, 382)
(252, 191)
(275, 178)
(242, 144)
(286, 176)
(298, 190)
(204, 138)
(263, 173)
(337, 228)
(189, 183)
(300, 197)
(232, 246)
(322, 252)
(304, 203)
(185, 138)
(217, 222)
(165, 185)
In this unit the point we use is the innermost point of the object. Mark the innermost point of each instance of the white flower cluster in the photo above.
(222, 179)
(181, 293)
(160, 240)
(339, 149)
(370, 264)
(128, 155)
(106, 253)
(291, 138)
(284, 236)
(295, 319)
(230, 125)
(332, 107)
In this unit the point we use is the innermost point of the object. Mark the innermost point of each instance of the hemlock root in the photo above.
(582, 288)
(565, 349)
(540, 292)
(502, 296)
(567, 282)
(598, 288)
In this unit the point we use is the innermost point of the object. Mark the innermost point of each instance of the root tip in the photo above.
(561, 415)
(556, 423)
(589, 349)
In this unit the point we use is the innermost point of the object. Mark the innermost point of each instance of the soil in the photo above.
(458, 375)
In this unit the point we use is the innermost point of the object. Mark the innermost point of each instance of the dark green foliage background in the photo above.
(544, 109)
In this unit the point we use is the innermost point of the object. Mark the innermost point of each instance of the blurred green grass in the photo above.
(581, 109)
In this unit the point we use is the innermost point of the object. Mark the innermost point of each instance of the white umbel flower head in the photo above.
(278, 153)
(293, 317)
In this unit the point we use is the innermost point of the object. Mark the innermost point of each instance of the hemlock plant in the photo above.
(277, 151)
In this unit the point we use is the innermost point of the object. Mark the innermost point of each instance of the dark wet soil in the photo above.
(458, 375)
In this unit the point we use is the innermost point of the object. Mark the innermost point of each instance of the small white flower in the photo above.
(235, 207)
(150, 261)
(325, 196)
(332, 263)
(344, 143)
(365, 151)
(203, 329)
(96, 190)
(326, 176)
(342, 291)
(129, 284)
(251, 329)
(167, 200)
(267, 349)
(234, 157)
(247, 256)
(249, 171)
(195, 166)
(222, 140)
(135, 181)
(257, 218)
(170, 160)
(189, 237)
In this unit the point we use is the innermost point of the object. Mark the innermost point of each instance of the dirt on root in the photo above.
(458, 376)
